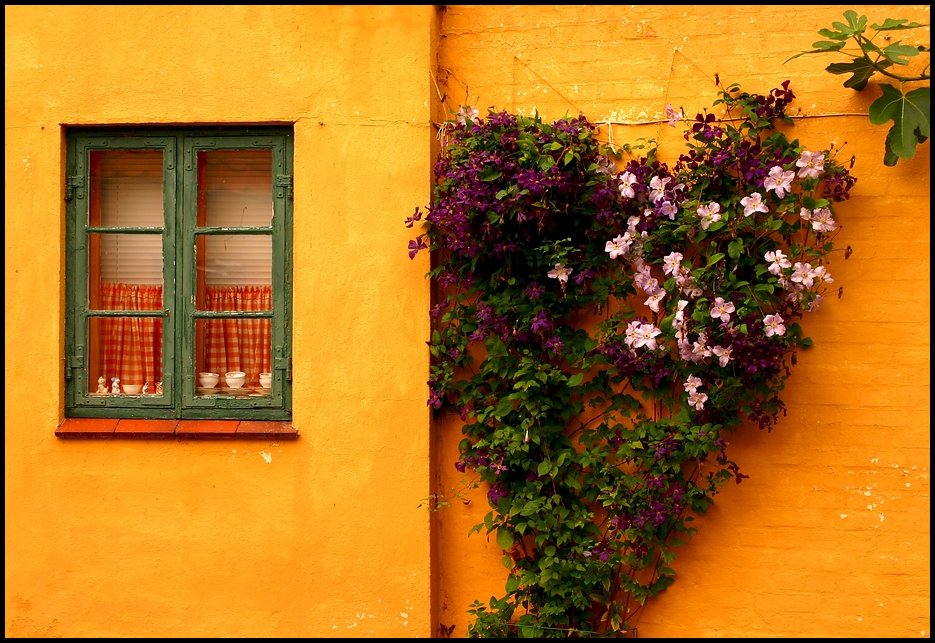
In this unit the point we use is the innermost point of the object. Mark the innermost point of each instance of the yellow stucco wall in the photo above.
(321, 536)
(329, 535)
(829, 536)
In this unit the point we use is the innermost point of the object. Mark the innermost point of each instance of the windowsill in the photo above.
(181, 429)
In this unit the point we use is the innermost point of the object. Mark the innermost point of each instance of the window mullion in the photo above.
(172, 184)
(190, 210)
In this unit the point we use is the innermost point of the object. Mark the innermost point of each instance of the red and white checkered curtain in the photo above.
(132, 346)
(239, 344)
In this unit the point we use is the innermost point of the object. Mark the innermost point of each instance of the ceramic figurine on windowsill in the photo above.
(115, 385)
(146, 388)
(158, 388)
(101, 386)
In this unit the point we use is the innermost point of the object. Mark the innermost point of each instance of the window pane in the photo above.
(230, 345)
(128, 349)
(124, 271)
(126, 188)
(234, 260)
(237, 187)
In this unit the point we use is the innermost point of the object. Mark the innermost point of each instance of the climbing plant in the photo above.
(606, 321)
(872, 52)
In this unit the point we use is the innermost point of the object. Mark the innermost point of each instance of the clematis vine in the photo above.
(595, 415)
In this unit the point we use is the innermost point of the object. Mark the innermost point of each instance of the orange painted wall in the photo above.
(830, 535)
(321, 536)
(329, 535)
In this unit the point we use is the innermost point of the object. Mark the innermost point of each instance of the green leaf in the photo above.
(490, 174)
(910, 116)
(575, 379)
(503, 407)
(822, 46)
(504, 539)
(856, 23)
(899, 53)
(834, 35)
(529, 508)
(713, 259)
(892, 24)
(512, 584)
(861, 68)
(735, 249)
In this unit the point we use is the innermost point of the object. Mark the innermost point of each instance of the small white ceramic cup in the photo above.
(235, 379)
(266, 379)
(208, 380)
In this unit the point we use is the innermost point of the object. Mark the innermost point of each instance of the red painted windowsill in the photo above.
(187, 429)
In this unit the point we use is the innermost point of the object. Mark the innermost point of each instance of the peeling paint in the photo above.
(266, 455)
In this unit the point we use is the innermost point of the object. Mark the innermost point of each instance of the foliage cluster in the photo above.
(908, 109)
(605, 322)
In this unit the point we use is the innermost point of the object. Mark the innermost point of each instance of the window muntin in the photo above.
(178, 263)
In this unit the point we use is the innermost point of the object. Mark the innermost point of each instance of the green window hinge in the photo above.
(284, 182)
(72, 184)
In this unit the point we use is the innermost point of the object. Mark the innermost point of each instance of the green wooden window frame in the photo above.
(178, 233)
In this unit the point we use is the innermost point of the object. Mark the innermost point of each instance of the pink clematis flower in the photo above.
(697, 399)
(691, 384)
(774, 325)
(561, 273)
(722, 309)
(811, 164)
(618, 246)
(673, 115)
(709, 214)
(627, 180)
(779, 180)
(777, 261)
(672, 263)
(753, 203)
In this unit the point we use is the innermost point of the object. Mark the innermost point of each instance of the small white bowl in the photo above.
(208, 380)
(266, 379)
(132, 389)
(235, 379)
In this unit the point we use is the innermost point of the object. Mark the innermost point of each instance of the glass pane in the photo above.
(123, 353)
(224, 347)
(126, 188)
(234, 260)
(124, 271)
(236, 187)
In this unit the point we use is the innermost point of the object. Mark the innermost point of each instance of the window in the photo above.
(179, 265)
